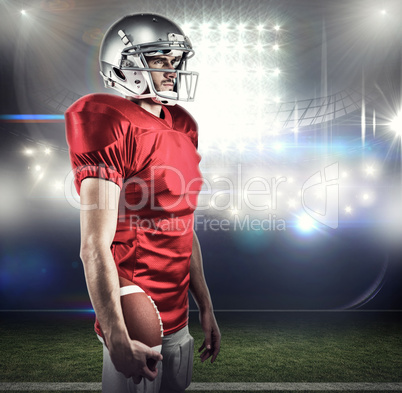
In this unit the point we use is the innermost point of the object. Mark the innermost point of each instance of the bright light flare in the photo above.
(259, 47)
(260, 71)
(278, 147)
(23, 12)
(367, 198)
(369, 170)
(241, 27)
(305, 223)
(396, 124)
(348, 209)
(224, 27)
(205, 27)
(187, 26)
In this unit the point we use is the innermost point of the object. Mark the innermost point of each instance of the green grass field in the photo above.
(256, 347)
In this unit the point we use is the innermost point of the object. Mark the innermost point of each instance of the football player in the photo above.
(136, 169)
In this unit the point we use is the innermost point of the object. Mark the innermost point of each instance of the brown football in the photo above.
(140, 315)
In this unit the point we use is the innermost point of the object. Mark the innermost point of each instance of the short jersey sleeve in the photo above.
(95, 134)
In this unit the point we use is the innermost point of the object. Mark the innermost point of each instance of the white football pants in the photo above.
(174, 372)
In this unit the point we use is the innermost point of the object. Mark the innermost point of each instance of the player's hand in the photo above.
(212, 342)
(134, 359)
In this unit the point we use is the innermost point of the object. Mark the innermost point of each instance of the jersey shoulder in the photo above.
(183, 121)
(97, 120)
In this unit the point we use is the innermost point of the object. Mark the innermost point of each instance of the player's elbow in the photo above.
(87, 253)
(92, 249)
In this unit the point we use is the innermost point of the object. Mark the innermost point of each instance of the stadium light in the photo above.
(396, 124)
(241, 27)
(186, 26)
(23, 12)
(223, 27)
(260, 72)
(277, 27)
(259, 47)
(277, 71)
(205, 27)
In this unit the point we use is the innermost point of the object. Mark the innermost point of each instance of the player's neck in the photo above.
(149, 105)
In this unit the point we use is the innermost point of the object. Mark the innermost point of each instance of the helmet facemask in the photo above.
(131, 73)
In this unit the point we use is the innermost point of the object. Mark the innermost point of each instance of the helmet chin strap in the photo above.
(166, 100)
(155, 98)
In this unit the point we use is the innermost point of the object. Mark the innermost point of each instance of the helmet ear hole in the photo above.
(119, 74)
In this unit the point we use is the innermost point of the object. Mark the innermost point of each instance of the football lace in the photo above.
(157, 313)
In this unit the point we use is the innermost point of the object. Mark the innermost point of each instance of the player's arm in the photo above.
(199, 291)
(99, 209)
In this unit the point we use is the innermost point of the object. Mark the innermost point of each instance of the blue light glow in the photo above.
(31, 117)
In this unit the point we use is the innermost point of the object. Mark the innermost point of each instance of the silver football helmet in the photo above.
(123, 53)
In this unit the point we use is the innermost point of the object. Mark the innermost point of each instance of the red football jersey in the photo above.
(155, 163)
